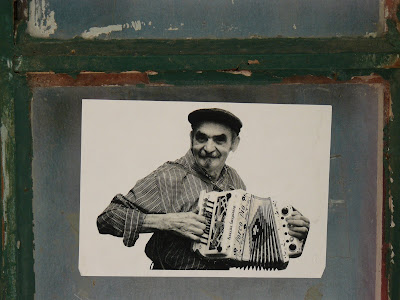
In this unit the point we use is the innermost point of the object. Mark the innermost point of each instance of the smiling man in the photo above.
(165, 201)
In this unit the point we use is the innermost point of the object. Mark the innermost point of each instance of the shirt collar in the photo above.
(189, 161)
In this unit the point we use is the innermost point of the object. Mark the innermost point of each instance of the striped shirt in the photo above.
(173, 187)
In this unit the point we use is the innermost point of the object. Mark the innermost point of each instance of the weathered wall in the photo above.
(204, 19)
(353, 195)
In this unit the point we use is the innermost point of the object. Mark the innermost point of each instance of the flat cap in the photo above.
(215, 115)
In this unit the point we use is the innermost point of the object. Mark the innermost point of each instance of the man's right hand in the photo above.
(187, 224)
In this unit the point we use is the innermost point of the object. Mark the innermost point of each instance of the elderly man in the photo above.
(165, 201)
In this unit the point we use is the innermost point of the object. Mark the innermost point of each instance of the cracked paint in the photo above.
(41, 21)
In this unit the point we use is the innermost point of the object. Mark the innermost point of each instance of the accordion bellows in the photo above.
(246, 231)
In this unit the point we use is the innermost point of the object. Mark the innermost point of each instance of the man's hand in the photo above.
(298, 225)
(187, 224)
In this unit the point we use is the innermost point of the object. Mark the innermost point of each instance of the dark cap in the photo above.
(215, 115)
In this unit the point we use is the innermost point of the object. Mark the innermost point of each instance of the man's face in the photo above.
(211, 143)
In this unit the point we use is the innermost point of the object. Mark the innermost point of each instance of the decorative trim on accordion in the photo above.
(246, 231)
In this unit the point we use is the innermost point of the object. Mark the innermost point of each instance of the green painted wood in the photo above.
(392, 169)
(23, 154)
(70, 64)
(8, 175)
(28, 46)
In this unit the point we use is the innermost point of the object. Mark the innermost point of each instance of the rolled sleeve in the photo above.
(133, 225)
(125, 215)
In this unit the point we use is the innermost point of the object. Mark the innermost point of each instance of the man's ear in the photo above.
(235, 144)
(191, 138)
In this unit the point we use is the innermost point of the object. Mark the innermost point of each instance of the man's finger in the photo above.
(193, 237)
(197, 231)
(201, 219)
(295, 213)
(305, 219)
(296, 234)
(299, 229)
(298, 223)
(298, 216)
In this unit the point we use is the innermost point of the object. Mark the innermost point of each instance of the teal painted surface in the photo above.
(203, 19)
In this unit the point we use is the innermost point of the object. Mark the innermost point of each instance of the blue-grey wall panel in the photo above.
(351, 253)
(204, 18)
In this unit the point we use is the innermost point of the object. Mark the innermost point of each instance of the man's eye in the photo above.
(201, 138)
(220, 139)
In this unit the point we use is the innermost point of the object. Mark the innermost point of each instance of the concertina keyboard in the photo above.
(246, 231)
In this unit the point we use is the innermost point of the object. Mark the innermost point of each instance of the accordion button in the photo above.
(285, 211)
(292, 247)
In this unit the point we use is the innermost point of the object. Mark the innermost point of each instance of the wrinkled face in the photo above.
(211, 143)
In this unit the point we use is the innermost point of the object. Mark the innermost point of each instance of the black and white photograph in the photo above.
(203, 189)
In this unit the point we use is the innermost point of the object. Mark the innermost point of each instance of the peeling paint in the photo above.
(172, 28)
(246, 73)
(391, 254)
(96, 31)
(137, 25)
(253, 62)
(87, 79)
(5, 184)
(371, 34)
(391, 205)
(41, 21)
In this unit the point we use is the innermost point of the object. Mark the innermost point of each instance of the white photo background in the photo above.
(283, 154)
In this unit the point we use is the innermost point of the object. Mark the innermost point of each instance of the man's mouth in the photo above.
(209, 156)
(205, 155)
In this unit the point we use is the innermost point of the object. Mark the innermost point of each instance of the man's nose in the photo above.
(209, 146)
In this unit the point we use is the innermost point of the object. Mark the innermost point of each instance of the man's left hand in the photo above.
(299, 225)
